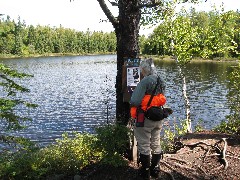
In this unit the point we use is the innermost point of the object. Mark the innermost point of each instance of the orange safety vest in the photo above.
(158, 100)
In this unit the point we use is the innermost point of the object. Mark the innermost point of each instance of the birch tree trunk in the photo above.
(186, 99)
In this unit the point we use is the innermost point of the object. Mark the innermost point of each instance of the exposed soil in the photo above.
(204, 155)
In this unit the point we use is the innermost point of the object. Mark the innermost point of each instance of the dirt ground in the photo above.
(205, 155)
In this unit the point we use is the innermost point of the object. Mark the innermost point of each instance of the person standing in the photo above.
(148, 136)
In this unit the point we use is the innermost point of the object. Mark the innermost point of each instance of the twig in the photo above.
(182, 166)
(172, 158)
(206, 154)
(217, 147)
(202, 170)
(217, 168)
(167, 165)
(233, 157)
(179, 166)
(210, 155)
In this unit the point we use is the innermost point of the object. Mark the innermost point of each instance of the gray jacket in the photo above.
(146, 86)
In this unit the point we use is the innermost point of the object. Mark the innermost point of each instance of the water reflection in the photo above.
(73, 93)
(206, 89)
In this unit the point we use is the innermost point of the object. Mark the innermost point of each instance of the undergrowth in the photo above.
(67, 156)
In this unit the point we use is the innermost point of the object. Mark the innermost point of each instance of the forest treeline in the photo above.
(206, 35)
(16, 38)
(201, 34)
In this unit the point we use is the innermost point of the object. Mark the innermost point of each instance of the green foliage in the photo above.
(198, 127)
(68, 155)
(174, 36)
(182, 129)
(9, 102)
(19, 165)
(183, 37)
(171, 133)
(196, 34)
(232, 125)
(153, 12)
(8, 84)
(18, 143)
(168, 139)
(113, 140)
(21, 40)
(218, 35)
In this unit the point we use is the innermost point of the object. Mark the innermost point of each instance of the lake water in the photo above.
(74, 93)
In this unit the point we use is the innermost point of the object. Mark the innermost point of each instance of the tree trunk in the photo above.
(127, 32)
(186, 99)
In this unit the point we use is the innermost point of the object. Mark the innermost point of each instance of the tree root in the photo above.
(204, 172)
(177, 165)
(220, 152)
(233, 157)
(169, 167)
(183, 166)
(223, 152)
(182, 161)
(218, 149)
(217, 168)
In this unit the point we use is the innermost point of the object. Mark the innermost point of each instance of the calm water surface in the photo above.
(74, 93)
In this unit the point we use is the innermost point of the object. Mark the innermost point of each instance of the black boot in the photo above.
(154, 168)
(144, 171)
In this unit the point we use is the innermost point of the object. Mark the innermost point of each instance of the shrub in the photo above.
(113, 140)
(68, 156)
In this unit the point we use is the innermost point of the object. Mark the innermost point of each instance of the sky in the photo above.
(80, 15)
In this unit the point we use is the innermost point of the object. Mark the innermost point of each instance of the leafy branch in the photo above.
(9, 102)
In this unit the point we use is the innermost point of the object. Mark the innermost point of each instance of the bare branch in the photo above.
(113, 3)
(150, 5)
(108, 13)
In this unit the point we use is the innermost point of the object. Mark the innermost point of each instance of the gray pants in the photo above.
(148, 137)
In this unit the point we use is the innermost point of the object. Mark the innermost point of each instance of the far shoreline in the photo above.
(155, 57)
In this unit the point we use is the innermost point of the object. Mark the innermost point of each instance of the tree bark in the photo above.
(127, 32)
(126, 27)
(185, 96)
